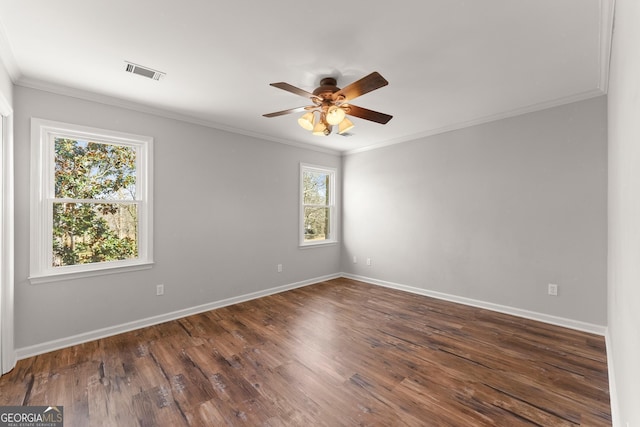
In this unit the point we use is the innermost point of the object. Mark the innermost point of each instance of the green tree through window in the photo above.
(317, 204)
(95, 216)
(316, 215)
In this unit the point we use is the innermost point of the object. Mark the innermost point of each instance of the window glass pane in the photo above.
(316, 223)
(84, 233)
(316, 188)
(91, 170)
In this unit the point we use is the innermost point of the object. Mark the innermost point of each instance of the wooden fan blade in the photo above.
(293, 89)
(365, 85)
(283, 112)
(366, 114)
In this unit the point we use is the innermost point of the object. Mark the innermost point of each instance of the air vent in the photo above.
(144, 71)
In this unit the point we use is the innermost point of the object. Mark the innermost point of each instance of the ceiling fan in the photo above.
(331, 104)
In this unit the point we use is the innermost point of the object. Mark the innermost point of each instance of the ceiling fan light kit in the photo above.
(331, 104)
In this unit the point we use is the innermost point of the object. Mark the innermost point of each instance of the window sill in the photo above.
(95, 271)
(322, 243)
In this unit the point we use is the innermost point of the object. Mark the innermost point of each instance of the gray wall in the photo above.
(624, 212)
(226, 213)
(493, 212)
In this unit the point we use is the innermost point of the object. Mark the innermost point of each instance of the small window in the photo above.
(91, 201)
(317, 210)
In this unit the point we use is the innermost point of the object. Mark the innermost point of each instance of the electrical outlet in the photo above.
(279, 268)
(369, 261)
(355, 259)
(159, 290)
(553, 289)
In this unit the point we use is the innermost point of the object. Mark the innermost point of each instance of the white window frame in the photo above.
(333, 230)
(43, 133)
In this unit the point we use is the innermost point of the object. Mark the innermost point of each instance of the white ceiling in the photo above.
(449, 63)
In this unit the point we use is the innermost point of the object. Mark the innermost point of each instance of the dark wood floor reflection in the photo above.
(338, 353)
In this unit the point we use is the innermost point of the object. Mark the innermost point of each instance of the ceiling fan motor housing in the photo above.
(327, 88)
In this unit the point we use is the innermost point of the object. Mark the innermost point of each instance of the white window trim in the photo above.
(333, 230)
(42, 159)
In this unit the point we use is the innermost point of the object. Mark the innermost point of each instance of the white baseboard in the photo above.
(34, 350)
(546, 318)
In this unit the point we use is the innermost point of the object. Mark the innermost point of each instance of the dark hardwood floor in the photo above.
(338, 353)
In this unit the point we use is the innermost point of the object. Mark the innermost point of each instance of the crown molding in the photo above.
(130, 105)
(142, 108)
(607, 15)
(606, 24)
(485, 119)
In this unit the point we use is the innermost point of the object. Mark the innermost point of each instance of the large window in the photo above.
(91, 201)
(317, 210)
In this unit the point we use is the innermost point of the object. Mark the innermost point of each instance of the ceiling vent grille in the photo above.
(144, 71)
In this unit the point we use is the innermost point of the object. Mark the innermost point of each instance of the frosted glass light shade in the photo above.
(320, 129)
(345, 126)
(307, 120)
(335, 115)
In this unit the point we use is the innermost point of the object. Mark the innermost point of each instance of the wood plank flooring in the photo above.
(338, 353)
